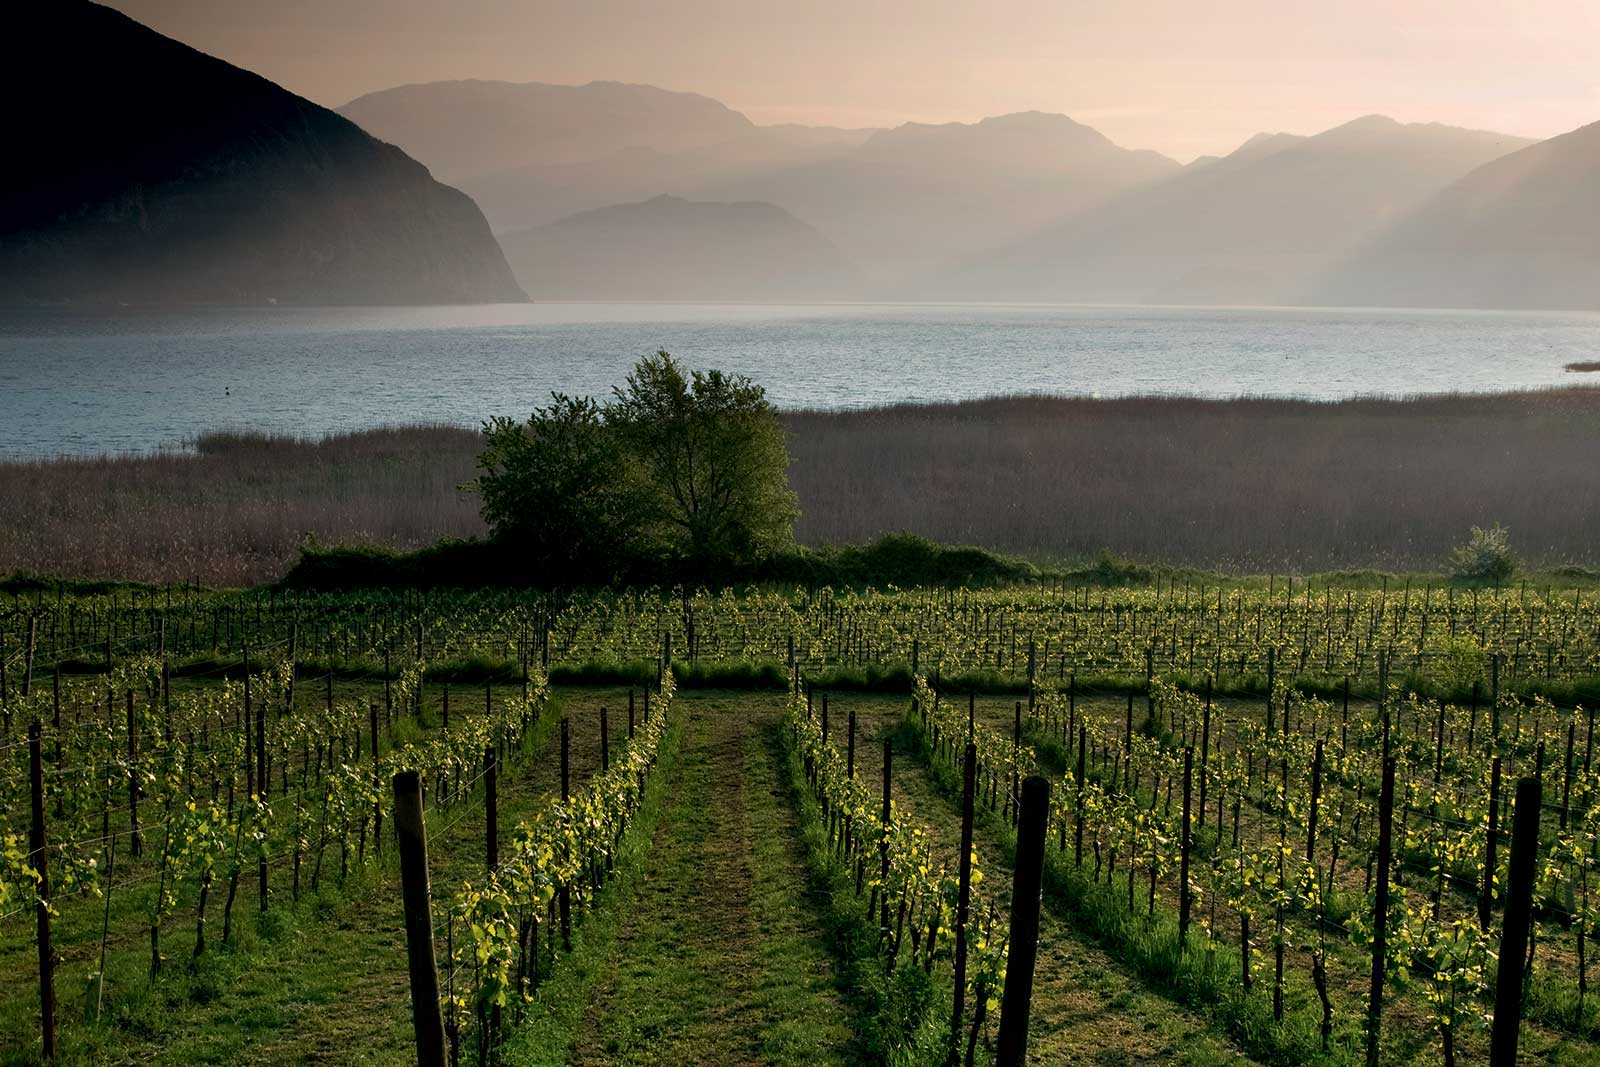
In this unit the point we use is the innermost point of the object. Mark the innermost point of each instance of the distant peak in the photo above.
(1370, 122)
(1264, 144)
(1032, 118)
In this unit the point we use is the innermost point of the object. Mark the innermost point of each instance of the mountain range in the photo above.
(155, 173)
(893, 201)
(1022, 207)
(1521, 231)
(531, 153)
(143, 171)
(1259, 226)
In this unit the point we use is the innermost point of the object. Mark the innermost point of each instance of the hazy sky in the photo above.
(1179, 76)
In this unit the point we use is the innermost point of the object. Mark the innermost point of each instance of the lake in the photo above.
(146, 379)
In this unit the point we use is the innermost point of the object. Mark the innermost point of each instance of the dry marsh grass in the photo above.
(236, 509)
(1250, 484)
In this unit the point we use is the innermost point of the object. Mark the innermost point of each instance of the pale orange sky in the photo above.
(1178, 76)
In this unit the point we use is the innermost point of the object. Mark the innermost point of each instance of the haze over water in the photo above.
(140, 380)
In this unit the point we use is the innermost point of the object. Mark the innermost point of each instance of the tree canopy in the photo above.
(682, 470)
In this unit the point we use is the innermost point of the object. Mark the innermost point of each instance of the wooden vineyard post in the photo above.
(883, 840)
(1183, 860)
(1566, 775)
(1472, 723)
(1072, 706)
(1077, 838)
(850, 747)
(426, 1020)
(1027, 884)
(55, 728)
(630, 713)
(261, 786)
(969, 774)
(38, 858)
(27, 658)
(1016, 773)
(1344, 718)
(1149, 682)
(377, 808)
(1490, 850)
(564, 895)
(491, 809)
(1380, 911)
(135, 845)
(1316, 799)
(1272, 676)
(1494, 696)
(605, 742)
(1514, 930)
(1205, 752)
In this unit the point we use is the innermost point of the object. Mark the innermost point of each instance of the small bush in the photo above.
(1486, 557)
(1111, 569)
(896, 559)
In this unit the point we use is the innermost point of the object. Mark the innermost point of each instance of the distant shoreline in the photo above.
(1458, 402)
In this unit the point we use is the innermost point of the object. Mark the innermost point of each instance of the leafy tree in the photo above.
(710, 454)
(1486, 557)
(556, 489)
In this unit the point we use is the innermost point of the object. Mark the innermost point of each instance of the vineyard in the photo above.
(1288, 825)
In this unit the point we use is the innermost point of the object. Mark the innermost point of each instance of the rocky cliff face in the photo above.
(142, 170)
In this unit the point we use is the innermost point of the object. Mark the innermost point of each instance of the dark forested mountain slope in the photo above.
(141, 170)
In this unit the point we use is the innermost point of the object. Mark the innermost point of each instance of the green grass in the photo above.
(713, 952)
(307, 979)
(545, 1035)
(900, 1011)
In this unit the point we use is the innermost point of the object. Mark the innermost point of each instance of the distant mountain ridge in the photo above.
(1254, 227)
(923, 194)
(470, 128)
(668, 248)
(531, 153)
(1520, 231)
(146, 171)
(893, 200)
(1029, 206)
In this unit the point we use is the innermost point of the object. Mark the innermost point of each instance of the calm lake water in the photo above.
(72, 383)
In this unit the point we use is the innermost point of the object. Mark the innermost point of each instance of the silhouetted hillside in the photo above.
(142, 170)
